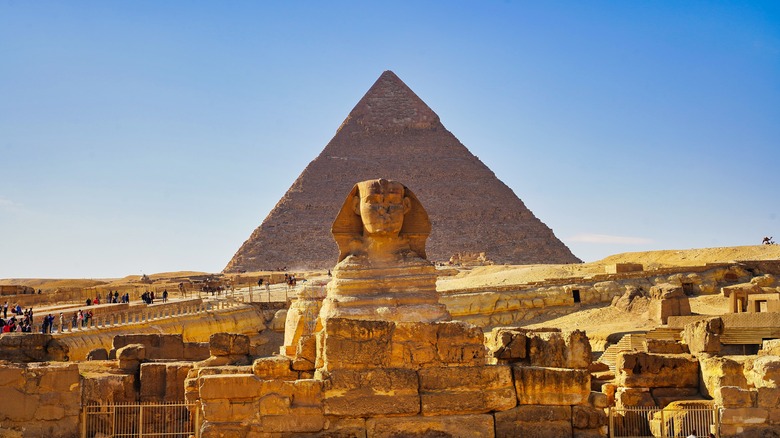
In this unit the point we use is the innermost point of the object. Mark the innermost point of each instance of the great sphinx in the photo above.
(382, 272)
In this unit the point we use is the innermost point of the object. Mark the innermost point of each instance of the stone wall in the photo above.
(513, 305)
(39, 399)
(385, 379)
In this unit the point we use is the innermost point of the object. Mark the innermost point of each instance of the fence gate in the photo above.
(126, 420)
(643, 421)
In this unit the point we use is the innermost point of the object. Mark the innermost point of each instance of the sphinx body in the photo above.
(382, 272)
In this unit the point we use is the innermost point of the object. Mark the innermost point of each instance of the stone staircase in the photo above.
(629, 342)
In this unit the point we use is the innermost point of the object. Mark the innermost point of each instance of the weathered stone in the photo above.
(228, 344)
(768, 398)
(466, 390)
(231, 386)
(744, 416)
(587, 417)
(465, 426)
(664, 396)
(734, 397)
(506, 344)
(355, 344)
(551, 386)
(157, 345)
(668, 300)
(647, 370)
(717, 372)
(372, 392)
(598, 399)
(277, 367)
(534, 422)
(131, 352)
(763, 371)
(666, 346)
(627, 397)
(98, 354)
(703, 336)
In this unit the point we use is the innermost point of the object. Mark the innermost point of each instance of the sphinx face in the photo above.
(382, 206)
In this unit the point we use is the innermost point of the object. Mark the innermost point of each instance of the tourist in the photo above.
(74, 321)
(5, 310)
(96, 301)
(692, 435)
(165, 295)
(116, 297)
(45, 328)
(81, 318)
(89, 301)
(62, 323)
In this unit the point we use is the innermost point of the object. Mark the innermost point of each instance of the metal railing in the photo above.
(125, 420)
(653, 421)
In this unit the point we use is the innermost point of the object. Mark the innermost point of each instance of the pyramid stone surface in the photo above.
(391, 133)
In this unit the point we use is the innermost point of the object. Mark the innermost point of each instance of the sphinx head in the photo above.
(380, 209)
(381, 205)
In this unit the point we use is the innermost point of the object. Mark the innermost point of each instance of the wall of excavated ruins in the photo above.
(514, 305)
(384, 379)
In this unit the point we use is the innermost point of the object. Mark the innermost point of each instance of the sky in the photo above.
(147, 136)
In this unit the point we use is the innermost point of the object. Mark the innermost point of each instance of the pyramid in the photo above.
(391, 133)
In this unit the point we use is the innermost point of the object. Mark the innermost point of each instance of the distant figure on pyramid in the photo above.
(382, 272)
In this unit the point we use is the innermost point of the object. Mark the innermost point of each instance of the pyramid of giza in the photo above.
(391, 133)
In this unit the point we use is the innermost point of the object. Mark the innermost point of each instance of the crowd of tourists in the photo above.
(21, 320)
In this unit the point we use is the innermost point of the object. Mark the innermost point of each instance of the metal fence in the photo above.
(125, 420)
(644, 421)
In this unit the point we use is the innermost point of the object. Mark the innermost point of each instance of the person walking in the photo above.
(5, 310)
(62, 323)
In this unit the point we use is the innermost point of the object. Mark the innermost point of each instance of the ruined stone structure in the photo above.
(392, 133)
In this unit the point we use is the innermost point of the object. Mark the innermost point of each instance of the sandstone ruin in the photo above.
(391, 132)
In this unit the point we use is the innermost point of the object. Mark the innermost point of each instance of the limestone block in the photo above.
(609, 389)
(534, 422)
(344, 427)
(389, 391)
(648, 370)
(598, 399)
(763, 371)
(195, 351)
(108, 388)
(587, 417)
(703, 336)
(627, 397)
(664, 396)
(278, 321)
(770, 347)
(98, 354)
(768, 398)
(667, 300)
(546, 349)
(465, 426)
(720, 371)
(55, 377)
(735, 397)
(11, 375)
(460, 344)
(49, 413)
(744, 416)
(152, 380)
(355, 344)
(228, 344)
(23, 406)
(131, 352)
(158, 345)
(223, 410)
(307, 348)
(276, 367)
(230, 386)
(466, 390)
(666, 346)
(551, 386)
(414, 345)
(299, 420)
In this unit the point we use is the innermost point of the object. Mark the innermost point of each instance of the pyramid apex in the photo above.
(390, 105)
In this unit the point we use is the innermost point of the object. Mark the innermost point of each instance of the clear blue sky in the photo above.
(152, 136)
